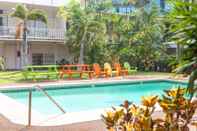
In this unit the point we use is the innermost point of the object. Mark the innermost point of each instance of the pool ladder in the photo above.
(47, 95)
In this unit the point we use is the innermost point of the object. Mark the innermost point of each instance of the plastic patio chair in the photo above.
(108, 69)
(130, 70)
(98, 71)
(119, 70)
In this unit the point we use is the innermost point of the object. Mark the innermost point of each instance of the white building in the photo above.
(46, 41)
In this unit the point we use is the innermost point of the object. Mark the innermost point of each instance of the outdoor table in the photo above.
(75, 69)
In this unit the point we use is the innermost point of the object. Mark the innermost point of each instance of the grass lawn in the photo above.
(11, 77)
(17, 77)
(153, 73)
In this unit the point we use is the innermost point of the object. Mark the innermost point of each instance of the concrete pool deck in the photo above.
(19, 113)
(93, 81)
(97, 125)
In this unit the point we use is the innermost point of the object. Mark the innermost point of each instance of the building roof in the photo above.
(39, 2)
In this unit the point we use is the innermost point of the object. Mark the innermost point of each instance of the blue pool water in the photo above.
(90, 97)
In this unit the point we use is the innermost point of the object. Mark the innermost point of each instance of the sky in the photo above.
(41, 2)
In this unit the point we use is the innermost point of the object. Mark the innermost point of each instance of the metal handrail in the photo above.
(50, 98)
(30, 102)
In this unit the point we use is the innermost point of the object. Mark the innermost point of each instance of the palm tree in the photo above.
(92, 31)
(184, 28)
(85, 29)
(24, 15)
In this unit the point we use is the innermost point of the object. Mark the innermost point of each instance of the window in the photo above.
(43, 59)
(162, 4)
(124, 9)
(117, 10)
(67, 25)
(36, 24)
(1, 21)
(1, 18)
(38, 28)
(49, 59)
(37, 59)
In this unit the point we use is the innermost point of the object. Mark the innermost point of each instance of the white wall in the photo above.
(62, 53)
(8, 50)
(10, 56)
(1, 48)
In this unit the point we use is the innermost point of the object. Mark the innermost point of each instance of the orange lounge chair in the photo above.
(119, 70)
(98, 72)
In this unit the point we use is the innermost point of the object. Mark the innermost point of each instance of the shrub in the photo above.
(177, 108)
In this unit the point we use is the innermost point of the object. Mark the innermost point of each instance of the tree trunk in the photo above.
(18, 47)
(82, 44)
(81, 57)
(24, 47)
(178, 53)
(19, 29)
(22, 54)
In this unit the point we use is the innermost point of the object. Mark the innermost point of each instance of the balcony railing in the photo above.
(8, 32)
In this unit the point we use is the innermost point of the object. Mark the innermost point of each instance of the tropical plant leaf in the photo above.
(20, 12)
(37, 15)
(186, 68)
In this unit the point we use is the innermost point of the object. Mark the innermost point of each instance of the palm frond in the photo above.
(62, 12)
(192, 78)
(20, 12)
(185, 68)
(191, 85)
(37, 15)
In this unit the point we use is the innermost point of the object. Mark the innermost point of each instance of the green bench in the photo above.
(42, 71)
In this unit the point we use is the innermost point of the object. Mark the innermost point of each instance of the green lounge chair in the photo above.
(131, 70)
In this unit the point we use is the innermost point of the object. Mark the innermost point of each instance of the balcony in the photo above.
(34, 34)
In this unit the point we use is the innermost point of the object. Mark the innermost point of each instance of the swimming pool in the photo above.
(89, 96)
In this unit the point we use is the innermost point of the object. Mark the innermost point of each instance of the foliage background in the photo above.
(96, 34)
